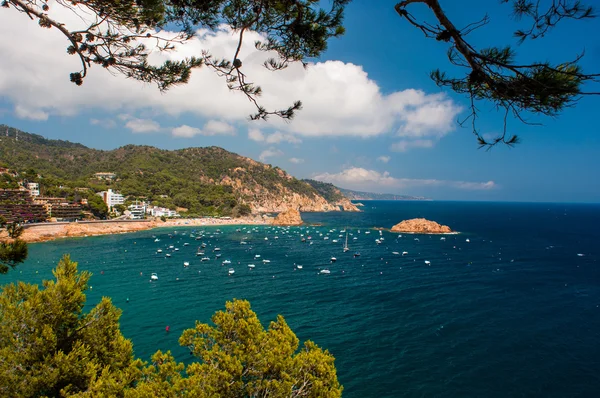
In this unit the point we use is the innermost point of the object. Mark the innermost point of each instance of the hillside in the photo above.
(203, 180)
(358, 195)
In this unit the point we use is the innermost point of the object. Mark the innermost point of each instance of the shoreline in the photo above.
(48, 232)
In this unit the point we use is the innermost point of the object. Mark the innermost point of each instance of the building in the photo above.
(156, 211)
(17, 205)
(105, 176)
(60, 209)
(112, 198)
(137, 211)
(34, 188)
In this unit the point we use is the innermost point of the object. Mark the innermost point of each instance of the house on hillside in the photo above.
(112, 198)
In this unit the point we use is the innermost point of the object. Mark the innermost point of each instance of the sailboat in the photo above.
(346, 248)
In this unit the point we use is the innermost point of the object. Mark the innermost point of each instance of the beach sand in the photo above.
(51, 231)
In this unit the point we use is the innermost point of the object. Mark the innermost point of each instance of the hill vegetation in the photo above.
(205, 181)
(359, 195)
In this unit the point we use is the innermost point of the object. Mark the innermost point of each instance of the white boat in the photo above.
(154, 277)
(159, 251)
(333, 259)
(231, 271)
(167, 255)
(176, 249)
(266, 238)
(186, 244)
(204, 259)
(266, 261)
(216, 249)
(467, 240)
(218, 255)
(299, 266)
(226, 262)
(427, 262)
(157, 240)
(404, 253)
(251, 265)
(257, 256)
(170, 247)
(243, 242)
(346, 248)
(442, 238)
(186, 264)
(396, 253)
(377, 241)
(324, 271)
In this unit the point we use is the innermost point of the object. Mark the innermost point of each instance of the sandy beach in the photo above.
(52, 231)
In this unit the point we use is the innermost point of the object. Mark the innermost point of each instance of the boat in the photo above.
(167, 255)
(176, 249)
(357, 254)
(324, 271)
(346, 248)
(404, 253)
(154, 277)
(333, 259)
(226, 262)
(203, 245)
(218, 255)
(243, 242)
(257, 256)
(186, 264)
(170, 247)
(266, 261)
(442, 238)
(157, 240)
(427, 262)
(467, 240)
(205, 259)
(377, 241)
(186, 244)
(231, 271)
(251, 265)
(216, 249)
(299, 266)
(199, 253)
(396, 253)
(159, 251)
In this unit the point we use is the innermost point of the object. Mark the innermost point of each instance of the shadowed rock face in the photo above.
(288, 217)
(421, 225)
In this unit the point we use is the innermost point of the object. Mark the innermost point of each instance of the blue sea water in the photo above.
(513, 312)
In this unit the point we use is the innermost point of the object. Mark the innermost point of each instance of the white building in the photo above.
(156, 211)
(112, 198)
(137, 211)
(34, 188)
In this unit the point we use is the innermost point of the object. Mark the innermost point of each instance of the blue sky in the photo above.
(373, 120)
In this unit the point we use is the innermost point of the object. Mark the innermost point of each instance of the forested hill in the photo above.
(203, 180)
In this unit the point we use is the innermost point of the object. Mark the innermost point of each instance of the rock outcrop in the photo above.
(421, 226)
(288, 217)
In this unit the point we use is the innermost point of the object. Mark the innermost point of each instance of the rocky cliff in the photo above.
(288, 217)
(421, 226)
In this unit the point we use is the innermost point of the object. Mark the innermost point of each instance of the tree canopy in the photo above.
(13, 250)
(120, 35)
(50, 347)
(494, 74)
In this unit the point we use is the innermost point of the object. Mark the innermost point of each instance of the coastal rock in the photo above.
(288, 217)
(421, 226)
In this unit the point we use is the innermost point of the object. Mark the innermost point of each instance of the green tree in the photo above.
(97, 206)
(49, 347)
(121, 35)
(239, 358)
(13, 250)
(495, 75)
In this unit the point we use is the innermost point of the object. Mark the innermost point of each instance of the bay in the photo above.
(513, 311)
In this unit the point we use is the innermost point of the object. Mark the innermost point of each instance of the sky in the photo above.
(372, 119)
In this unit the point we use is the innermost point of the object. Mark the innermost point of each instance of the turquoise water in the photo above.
(513, 312)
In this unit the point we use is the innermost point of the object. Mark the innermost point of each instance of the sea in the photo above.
(508, 307)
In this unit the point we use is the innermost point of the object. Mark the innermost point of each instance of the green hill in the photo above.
(208, 180)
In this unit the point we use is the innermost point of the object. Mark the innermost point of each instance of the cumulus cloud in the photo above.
(360, 178)
(296, 160)
(339, 99)
(185, 131)
(275, 138)
(405, 145)
(383, 159)
(269, 153)
(217, 127)
(142, 125)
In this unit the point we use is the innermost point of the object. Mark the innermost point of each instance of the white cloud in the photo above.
(383, 159)
(276, 138)
(296, 160)
(185, 131)
(269, 153)
(216, 127)
(339, 99)
(106, 123)
(405, 145)
(142, 125)
(256, 135)
(360, 178)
